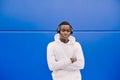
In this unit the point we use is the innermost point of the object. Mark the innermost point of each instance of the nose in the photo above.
(65, 32)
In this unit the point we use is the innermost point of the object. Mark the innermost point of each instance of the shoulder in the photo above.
(77, 44)
(51, 44)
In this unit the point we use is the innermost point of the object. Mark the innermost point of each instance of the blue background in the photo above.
(27, 26)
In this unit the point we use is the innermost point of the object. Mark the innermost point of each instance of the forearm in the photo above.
(58, 65)
(77, 65)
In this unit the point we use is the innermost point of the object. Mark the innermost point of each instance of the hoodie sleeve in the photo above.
(79, 64)
(53, 64)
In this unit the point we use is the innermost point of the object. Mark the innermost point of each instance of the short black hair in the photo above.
(64, 23)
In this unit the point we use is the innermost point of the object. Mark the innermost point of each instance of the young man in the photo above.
(64, 55)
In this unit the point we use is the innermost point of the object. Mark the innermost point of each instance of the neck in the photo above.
(64, 40)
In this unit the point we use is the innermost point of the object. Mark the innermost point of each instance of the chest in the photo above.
(63, 51)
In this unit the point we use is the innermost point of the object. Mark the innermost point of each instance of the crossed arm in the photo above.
(73, 63)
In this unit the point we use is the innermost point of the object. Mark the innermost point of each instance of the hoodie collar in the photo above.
(71, 39)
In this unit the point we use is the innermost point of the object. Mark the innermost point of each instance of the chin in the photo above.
(65, 37)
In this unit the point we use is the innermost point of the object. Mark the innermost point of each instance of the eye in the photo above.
(68, 30)
(63, 30)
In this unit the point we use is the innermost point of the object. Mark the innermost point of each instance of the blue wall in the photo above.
(27, 26)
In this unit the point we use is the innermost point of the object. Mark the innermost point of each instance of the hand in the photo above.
(73, 60)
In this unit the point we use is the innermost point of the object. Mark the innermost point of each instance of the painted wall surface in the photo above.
(46, 14)
(27, 26)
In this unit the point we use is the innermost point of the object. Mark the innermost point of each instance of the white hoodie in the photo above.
(58, 57)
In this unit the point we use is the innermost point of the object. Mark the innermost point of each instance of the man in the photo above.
(64, 55)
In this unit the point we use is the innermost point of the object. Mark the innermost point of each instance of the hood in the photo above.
(71, 38)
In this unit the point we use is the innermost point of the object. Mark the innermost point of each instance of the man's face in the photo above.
(65, 31)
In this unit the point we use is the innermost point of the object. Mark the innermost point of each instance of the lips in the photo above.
(65, 36)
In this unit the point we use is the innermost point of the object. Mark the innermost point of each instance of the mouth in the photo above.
(65, 36)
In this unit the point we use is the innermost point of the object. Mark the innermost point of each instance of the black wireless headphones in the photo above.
(64, 23)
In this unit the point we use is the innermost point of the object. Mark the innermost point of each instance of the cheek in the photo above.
(61, 33)
(69, 33)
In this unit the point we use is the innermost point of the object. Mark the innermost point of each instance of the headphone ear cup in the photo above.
(71, 30)
(58, 30)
